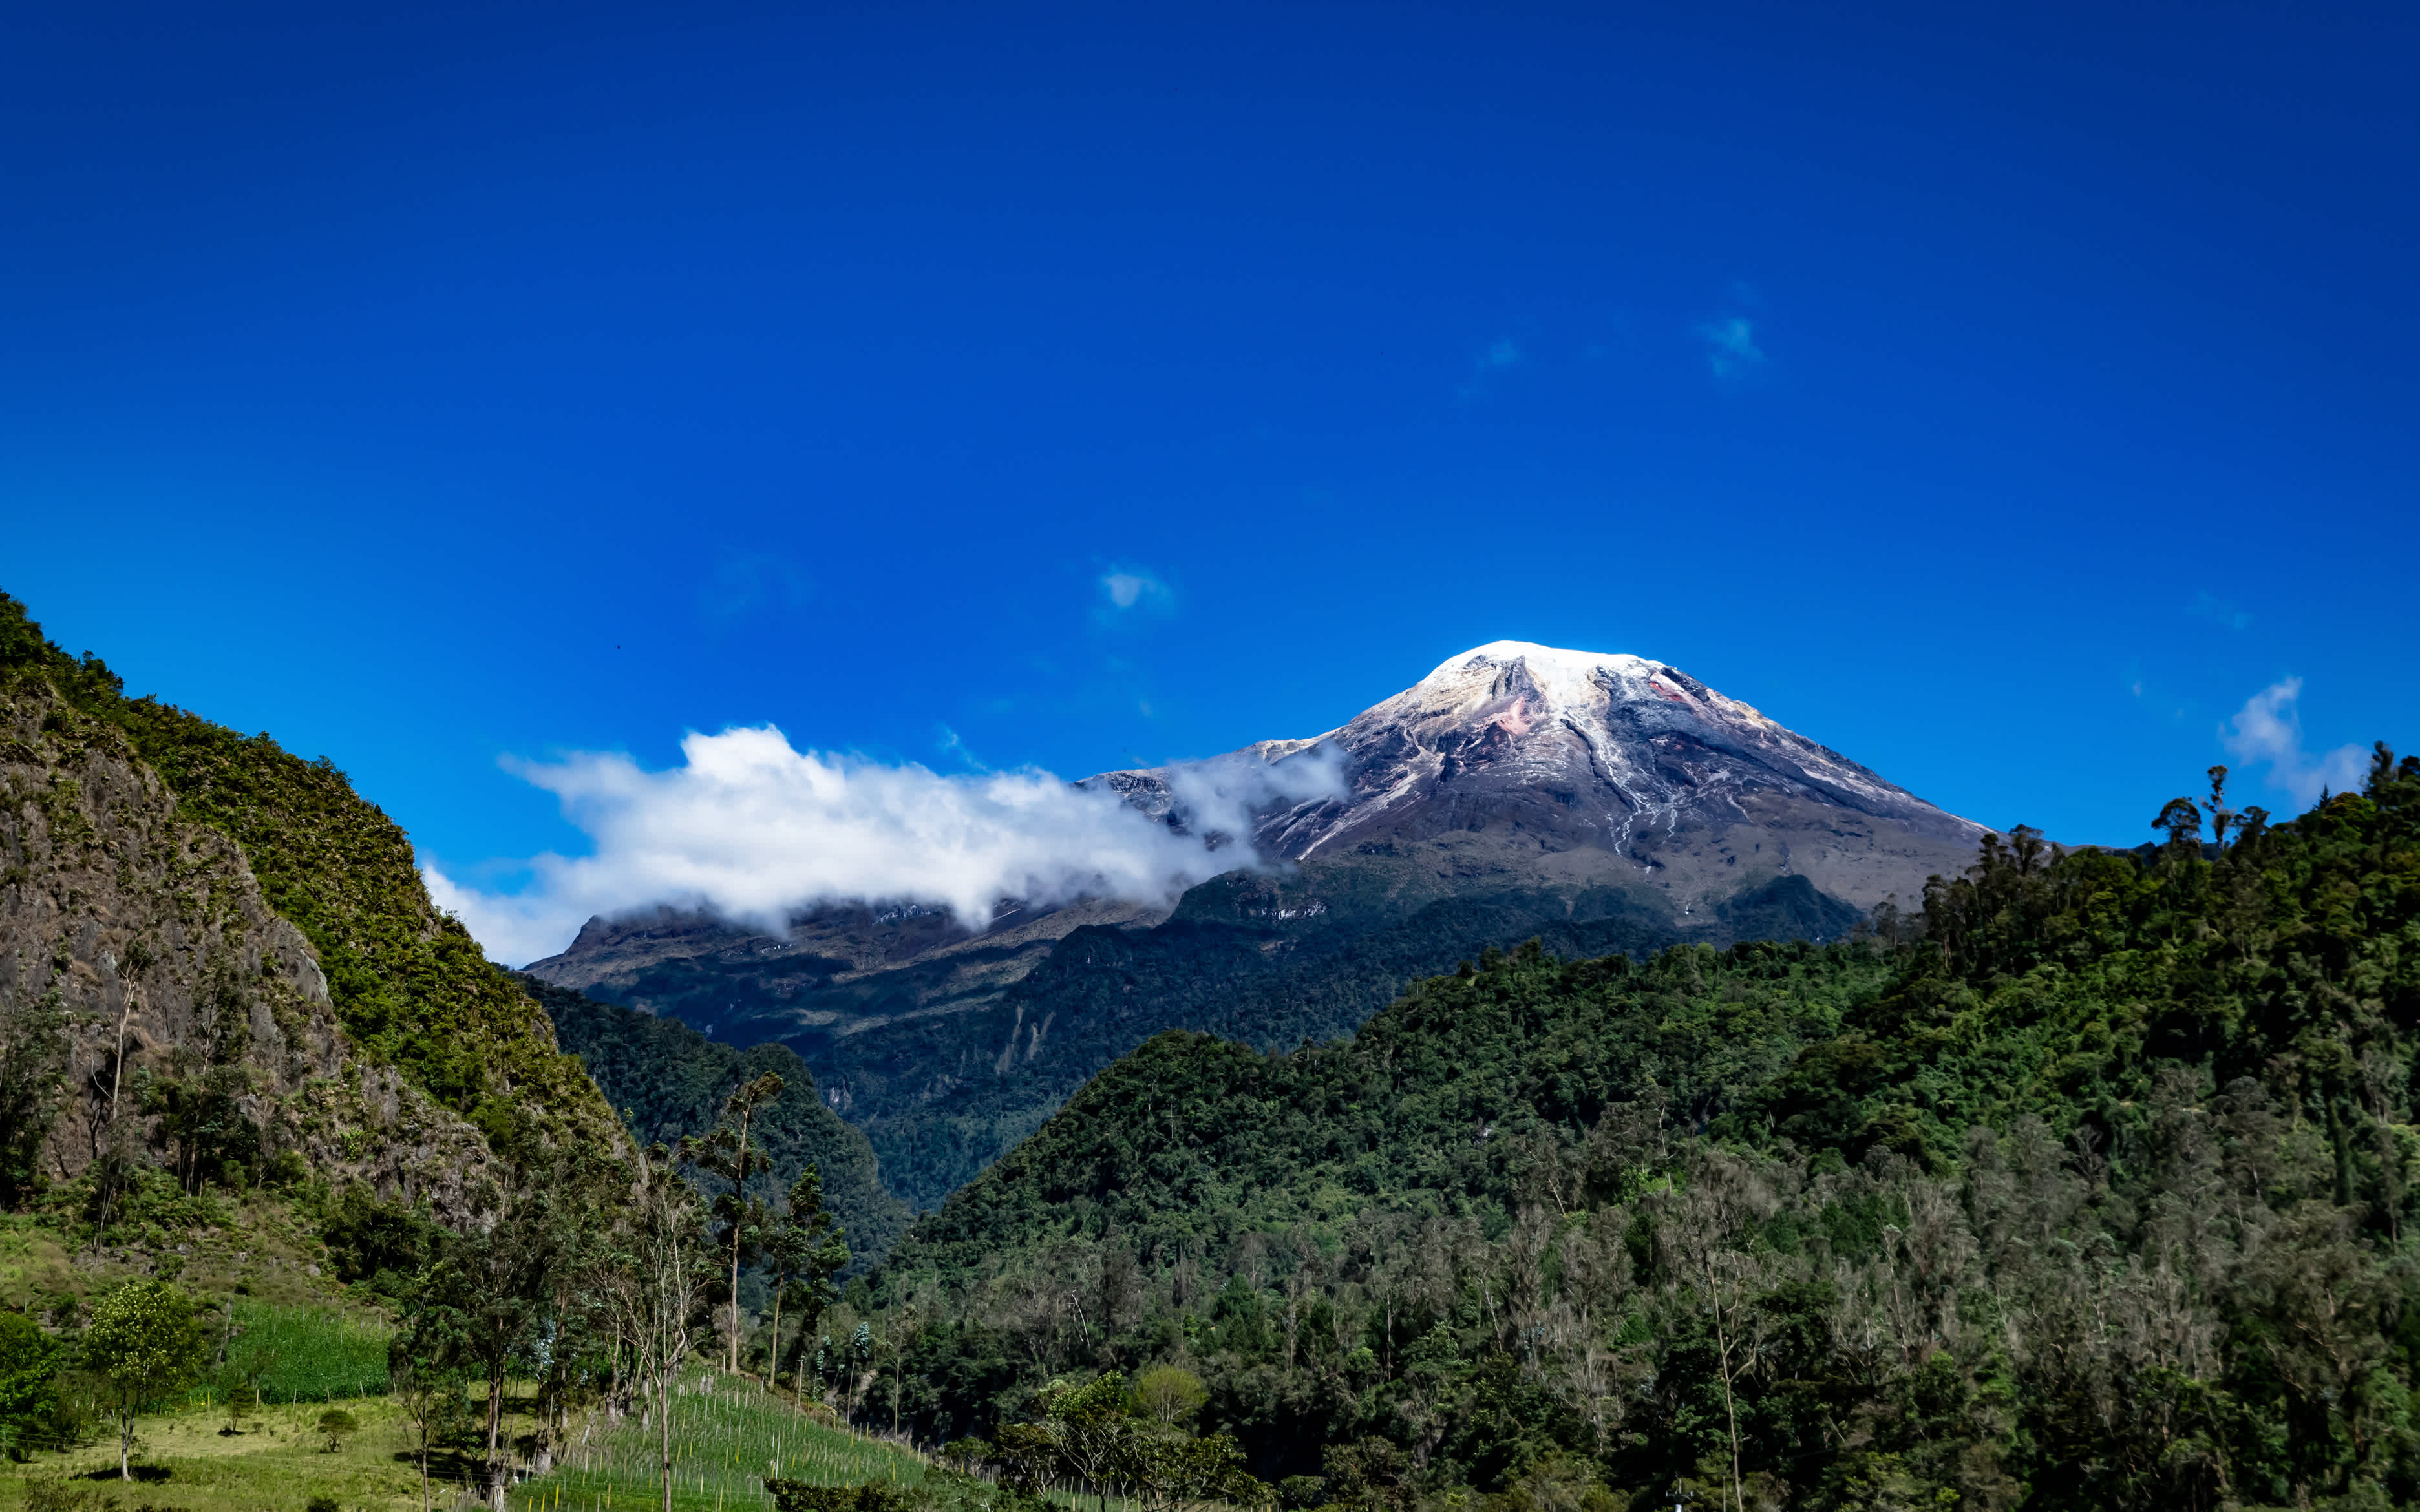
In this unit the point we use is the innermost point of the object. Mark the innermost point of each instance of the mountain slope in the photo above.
(257, 939)
(2093, 1194)
(1576, 768)
(667, 1080)
(140, 961)
(1605, 802)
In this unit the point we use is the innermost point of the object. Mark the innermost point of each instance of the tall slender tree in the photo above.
(803, 1251)
(656, 1284)
(726, 1153)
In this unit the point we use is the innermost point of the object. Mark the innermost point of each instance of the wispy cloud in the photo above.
(2269, 731)
(752, 829)
(2208, 605)
(1496, 358)
(1731, 350)
(1130, 587)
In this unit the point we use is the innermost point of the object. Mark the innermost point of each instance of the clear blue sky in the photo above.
(2001, 401)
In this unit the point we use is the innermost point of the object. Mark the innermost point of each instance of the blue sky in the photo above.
(2003, 401)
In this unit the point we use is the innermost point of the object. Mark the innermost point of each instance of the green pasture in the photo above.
(279, 1461)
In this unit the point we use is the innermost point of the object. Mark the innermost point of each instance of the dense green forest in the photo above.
(2084, 1188)
(1215, 966)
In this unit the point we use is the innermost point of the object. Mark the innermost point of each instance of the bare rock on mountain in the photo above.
(1517, 764)
(150, 935)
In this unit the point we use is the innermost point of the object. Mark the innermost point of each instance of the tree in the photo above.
(1090, 1427)
(425, 1383)
(725, 1153)
(897, 1342)
(240, 1397)
(1173, 1473)
(802, 1252)
(2183, 822)
(657, 1282)
(143, 1343)
(337, 1423)
(2222, 818)
(29, 1387)
(201, 1122)
(1168, 1395)
(1703, 1233)
(489, 1286)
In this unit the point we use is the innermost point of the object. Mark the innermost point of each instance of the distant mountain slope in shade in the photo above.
(667, 1080)
(1605, 802)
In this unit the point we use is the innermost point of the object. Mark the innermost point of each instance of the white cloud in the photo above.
(1128, 588)
(510, 928)
(1731, 346)
(749, 829)
(2268, 729)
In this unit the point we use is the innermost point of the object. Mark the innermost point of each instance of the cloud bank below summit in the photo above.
(753, 830)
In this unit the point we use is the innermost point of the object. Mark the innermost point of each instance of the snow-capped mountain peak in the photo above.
(1568, 755)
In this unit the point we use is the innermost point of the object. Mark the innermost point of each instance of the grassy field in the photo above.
(278, 1462)
(728, 1434)
(307, 1354)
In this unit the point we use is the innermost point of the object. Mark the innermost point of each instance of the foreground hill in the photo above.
(1605, 802)
(2093, 1187)
(216, 954)
(220, 973)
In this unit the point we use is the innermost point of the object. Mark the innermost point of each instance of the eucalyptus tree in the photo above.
(656, 1282)
(803, 1251)
(726, 1153)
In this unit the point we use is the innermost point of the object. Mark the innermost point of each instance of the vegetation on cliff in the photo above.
(409, 984)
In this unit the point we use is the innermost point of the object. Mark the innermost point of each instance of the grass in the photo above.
(277, 1463)
(307, 1354)
(728, 1434)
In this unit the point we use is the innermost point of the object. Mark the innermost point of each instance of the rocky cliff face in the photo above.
(149, 933)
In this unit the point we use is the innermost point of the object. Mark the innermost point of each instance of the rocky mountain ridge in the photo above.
(147, 937)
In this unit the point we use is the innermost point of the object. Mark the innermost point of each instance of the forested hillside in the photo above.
(2085, 1188)
(273, 1128)
(668, 1081)
(1222, 965)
